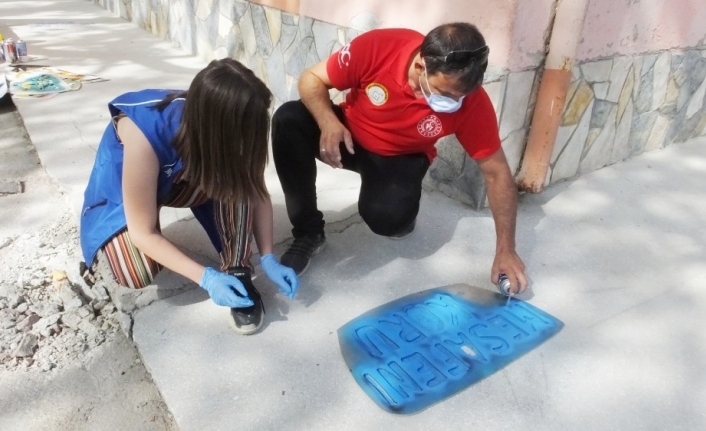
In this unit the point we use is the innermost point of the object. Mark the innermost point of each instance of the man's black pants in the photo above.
(391, 186)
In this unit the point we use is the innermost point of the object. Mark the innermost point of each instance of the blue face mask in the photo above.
(437, 102)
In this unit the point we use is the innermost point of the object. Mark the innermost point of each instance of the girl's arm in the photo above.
(284, 277)
(262, 224)
(140, 174)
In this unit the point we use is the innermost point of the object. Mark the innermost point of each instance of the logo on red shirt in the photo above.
(430, 126)
(344, 56)
(377, 93)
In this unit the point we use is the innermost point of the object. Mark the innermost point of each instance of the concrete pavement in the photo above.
(618, 255)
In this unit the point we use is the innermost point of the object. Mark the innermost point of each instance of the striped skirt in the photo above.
(229, 226)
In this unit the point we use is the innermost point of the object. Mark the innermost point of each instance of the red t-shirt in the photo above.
(381, 110)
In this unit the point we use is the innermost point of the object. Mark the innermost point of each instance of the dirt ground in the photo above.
(64, 363)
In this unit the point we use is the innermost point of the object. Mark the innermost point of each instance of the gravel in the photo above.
(48, 320)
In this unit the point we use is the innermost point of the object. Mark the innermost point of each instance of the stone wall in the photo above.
(617, 108)
(276, 45)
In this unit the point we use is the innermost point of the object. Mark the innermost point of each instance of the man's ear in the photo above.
(418, 65)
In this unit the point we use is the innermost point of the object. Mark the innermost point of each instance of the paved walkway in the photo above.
(618, 255)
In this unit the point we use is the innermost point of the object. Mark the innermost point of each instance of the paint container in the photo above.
(504, 285)
(21, 49)
(10, 51)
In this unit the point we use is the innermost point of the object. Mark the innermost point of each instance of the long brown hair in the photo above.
(222, 139)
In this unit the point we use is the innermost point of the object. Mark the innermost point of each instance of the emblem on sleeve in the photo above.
(344, 56)
(377, 94)
(430, 126)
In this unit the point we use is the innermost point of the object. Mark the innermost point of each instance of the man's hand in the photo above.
(330, 143)
(314, 84)
(510, 264)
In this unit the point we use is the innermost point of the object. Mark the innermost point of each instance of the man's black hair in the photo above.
(454, 37)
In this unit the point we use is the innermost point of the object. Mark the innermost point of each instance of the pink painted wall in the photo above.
(514, 45)
(628, 27)
(531, 28)
(516, 29)
(291, 6)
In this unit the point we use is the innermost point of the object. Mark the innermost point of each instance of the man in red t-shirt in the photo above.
(405, 91)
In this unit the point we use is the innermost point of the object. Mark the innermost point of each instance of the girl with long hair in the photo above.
(205, 149)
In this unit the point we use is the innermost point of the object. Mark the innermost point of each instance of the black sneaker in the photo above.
(247, 320)
(406, 231)
(299, 254)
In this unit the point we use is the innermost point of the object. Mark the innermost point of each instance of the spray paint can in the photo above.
(21, 49)
(10, 51)
(504, 284)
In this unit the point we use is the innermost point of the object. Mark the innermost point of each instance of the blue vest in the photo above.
(103, 214)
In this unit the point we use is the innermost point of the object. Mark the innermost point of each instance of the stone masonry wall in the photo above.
(276, 45)
(616, 108)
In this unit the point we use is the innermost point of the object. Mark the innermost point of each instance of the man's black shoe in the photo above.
(299, 254)
(247, 320)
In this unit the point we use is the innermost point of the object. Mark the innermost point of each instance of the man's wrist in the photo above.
(505, 248)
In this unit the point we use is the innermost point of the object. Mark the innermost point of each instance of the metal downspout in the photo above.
(553, 88)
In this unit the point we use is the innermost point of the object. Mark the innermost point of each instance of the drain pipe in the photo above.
(553, 88)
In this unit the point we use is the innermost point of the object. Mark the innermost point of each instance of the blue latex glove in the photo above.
(220, 286)
(283, 276)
